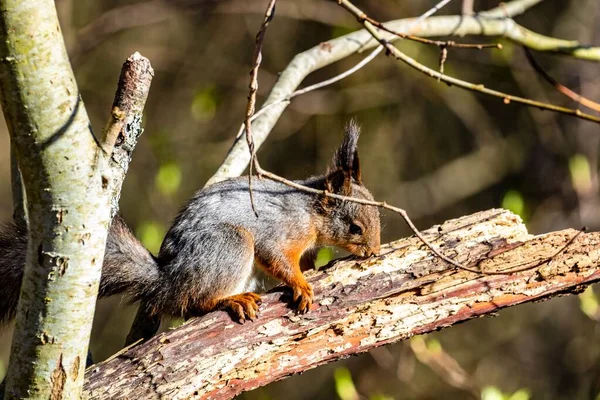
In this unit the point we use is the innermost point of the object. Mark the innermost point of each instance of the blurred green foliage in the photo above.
(151, 234)
(589, 303)
(204, 104)
(324, 255)
(493, 393)
(581, 175)
(344, 385)
(168, 178)
(513, 200)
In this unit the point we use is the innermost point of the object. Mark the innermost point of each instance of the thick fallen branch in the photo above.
(359, 305)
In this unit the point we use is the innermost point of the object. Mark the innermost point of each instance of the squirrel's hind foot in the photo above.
(241, 306)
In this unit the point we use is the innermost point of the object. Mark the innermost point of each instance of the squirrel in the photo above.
(208, 258)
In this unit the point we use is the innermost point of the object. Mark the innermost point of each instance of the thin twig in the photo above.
(439, 43)
(443, 58)
(561, 88)
(429, 13)
(250, 107)
(352, 70)
(533, 264)
(263, 173)
(467, 7)
(410, 224)
(443, 45)
(316, 86)
(486, 23)
(391, 49)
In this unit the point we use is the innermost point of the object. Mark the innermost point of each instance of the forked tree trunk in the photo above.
(359, 305)
(70, 179)
(67, 203)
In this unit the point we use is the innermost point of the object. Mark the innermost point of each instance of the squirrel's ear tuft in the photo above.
(345, 160)
(346, 156)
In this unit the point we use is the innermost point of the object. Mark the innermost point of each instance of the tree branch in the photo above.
(61, 168)
(558, 86)
(360, 304)
(124, 126)
(493, 23)
(395, 52)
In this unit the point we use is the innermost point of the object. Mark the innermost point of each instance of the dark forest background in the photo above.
(437, 151)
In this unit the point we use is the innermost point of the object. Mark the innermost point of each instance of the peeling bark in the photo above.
(359, 305)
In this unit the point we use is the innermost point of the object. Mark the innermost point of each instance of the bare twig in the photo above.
(443, 58)
(361, 64)
(250, 107)
(124, 127)
(467, 7)
(439, 43)
(561, 88)
(264, 173)
(494, 22)
(316, 86)
(510, 9)
(391, 49)
(412, 227)
(429, 13)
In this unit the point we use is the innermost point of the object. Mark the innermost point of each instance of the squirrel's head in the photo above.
(352, 226)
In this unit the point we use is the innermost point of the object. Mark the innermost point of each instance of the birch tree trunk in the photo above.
(61, 164)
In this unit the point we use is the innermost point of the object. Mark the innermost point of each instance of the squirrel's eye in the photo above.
(355, 229)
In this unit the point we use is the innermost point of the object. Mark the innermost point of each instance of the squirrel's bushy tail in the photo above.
(128, 267)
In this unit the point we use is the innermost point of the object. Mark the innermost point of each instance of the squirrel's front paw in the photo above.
(303, 296)
(241, 306)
